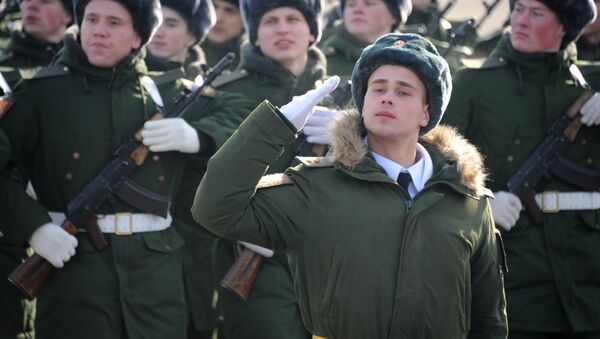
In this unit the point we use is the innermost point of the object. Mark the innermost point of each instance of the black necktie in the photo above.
(404, 180)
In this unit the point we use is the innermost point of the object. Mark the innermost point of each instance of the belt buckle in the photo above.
(129, 230)
(556, 196)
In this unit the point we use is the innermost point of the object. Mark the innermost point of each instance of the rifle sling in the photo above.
(575, 174)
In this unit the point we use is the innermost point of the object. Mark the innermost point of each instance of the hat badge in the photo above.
(399, 43)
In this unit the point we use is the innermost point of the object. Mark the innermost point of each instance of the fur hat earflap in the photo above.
(574, 15)
(199, 14)
(253, 10)
(145, 14)
(400, 9)
(415, 53)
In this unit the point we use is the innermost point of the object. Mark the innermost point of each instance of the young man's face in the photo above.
(229, 23)
(107, 34)
(535, 28)
(283, 35)
(367, 19)
(173, 38)
(46, 20)
(395, 104)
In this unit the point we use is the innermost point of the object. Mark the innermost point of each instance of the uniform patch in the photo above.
(5, 104)
(273, 180)
(43, 72)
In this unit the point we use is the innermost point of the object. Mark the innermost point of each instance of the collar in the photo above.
(420, 172)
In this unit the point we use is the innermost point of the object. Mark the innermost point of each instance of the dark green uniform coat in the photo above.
(505, 109)
(214, 52)
(368, 261)
(271, 310)
(64, 127)
(342, 50)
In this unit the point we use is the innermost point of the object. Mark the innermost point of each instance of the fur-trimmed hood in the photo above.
(349, 149)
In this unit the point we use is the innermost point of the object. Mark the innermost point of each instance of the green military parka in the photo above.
(505, 108)
(368, 262)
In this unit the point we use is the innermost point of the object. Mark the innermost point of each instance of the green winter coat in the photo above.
(214, 52)
(505, 108)
(367, 261)
(342, 50)
(64, 125)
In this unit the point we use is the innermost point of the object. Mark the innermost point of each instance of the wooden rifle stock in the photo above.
(241, 275)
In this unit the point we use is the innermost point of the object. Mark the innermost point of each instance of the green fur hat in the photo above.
(199, 15)
(411, 51)
(400, 9)
(253, 10)
(145, 14)
(574, 15)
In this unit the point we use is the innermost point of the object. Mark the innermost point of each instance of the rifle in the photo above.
(240, 277)
(434, 23)
(546, 157)
(111, 182)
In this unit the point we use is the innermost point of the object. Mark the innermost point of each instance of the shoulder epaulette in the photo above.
(272, 180)
(11, 76)
(168, 76)
(229, 78)
(484, 63)
(44, 72)
(316, 161)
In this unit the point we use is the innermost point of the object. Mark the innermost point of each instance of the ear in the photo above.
(425, 119)
(312, 39)
(136, 42)
(190, 39)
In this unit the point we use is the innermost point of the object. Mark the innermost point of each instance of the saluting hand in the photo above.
(590, 111)
(316, 128)
(171, 134)
(54, 244)
(301, 107)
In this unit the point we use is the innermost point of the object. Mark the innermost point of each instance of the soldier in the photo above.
(176, 42)
(505, 107)
(227, 34)
(278, 62)
(389, 237)
(363, 22)
(64, 124)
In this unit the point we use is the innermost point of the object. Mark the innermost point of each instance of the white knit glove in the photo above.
(170, 134)
(590, 111)
(316, 125)
(298, 110)
(265, 252)
(506, 208)
(54, 244)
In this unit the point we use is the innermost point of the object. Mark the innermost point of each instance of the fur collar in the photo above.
(349, 149)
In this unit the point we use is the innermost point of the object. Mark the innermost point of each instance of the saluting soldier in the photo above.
(363, 21)
(392, 235)
(506, 106)
(64, 125)
(176, 41)
(227, 35)
(279, 61)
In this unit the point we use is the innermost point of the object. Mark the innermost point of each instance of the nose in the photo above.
(99, 30)
(386, 99)
(282, 27)
(521, 19)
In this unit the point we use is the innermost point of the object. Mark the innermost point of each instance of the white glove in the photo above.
(297, 110)
(171, 134)
(317, 124)
(54, 244)
(506, 208)
(265, 252)
(590, 111)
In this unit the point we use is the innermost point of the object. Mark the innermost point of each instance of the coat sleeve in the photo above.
(19, 214)
(488, 302)
(227, 202)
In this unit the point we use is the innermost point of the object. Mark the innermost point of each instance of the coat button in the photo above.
(589, 161)
(517, 141)
(161, 178)
(155, 157)
(69, 176)
(167, 247)
(510, 158)
(584, 141)
(76, 155)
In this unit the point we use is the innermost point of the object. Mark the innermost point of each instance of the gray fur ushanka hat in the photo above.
(199, 14)
(145, 14)
(574, 15)
(415, 53)
(253, 10)
(400, 9)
